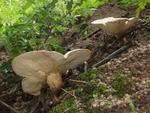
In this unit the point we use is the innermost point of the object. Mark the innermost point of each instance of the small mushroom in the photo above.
(116, 26)
(46, 67)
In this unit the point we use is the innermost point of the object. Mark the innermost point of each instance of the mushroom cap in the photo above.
(108, 20)
(30, 63)
(115, 26)
(32, 85)
(76, 57)
(39, 67)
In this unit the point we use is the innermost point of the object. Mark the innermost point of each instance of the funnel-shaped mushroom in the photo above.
(115, 26)
(41, 67)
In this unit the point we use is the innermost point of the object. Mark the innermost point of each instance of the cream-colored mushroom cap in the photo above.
(75, 57)
(45, 67)
(116, 26)
(30, 63)
(34, 67)
(32, 86)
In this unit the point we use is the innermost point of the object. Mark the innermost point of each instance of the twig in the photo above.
(78, 81)
(8, 106)
(3, 95)
(91, 34)
(112, 55)
(64, 97)
(34, 107)
(65, 111)
(68, 92)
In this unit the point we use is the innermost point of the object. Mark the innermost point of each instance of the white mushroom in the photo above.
(74, 58)
(40, 67)
(116, 26)
(32, 86)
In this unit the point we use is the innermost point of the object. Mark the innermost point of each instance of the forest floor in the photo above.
(122, 85)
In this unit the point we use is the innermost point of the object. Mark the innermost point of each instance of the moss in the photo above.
(85, 91)
(131, 105)
(121, 84)
(68, 106)
(91, 75)
(93, 89)
(87, 76)
(100, 89)
(90, 92)
(104, 68)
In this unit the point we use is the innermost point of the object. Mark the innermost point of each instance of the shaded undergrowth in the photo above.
(93, 89)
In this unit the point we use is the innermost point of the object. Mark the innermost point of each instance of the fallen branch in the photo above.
(112, 55)
(91, 34)
(8, 106)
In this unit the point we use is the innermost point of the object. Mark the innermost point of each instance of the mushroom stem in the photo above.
(55, 82)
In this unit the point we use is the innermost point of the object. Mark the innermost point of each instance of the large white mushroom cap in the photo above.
(41, 67)
(116, 26)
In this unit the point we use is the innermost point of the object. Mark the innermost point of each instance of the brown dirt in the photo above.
(3, 56)
(135, 62)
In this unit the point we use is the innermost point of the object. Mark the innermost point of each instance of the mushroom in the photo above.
(46, 67)
(116, 26)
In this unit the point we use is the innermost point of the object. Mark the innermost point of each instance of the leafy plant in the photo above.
(121, 84)
(28, 23)
(7, 75)
(67, 106)
(91, 75)
(100, 89)
(141, 6)
(131, 105)
(140, 3)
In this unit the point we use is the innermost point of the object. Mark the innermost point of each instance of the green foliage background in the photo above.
(26, 24)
